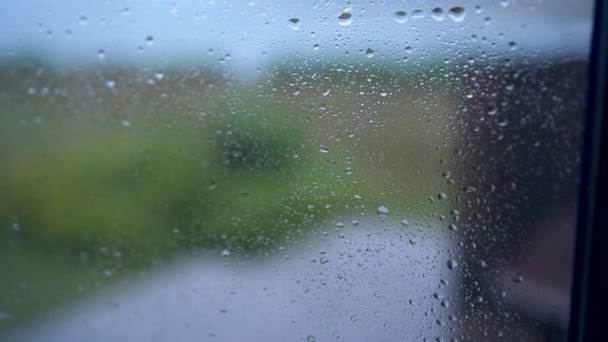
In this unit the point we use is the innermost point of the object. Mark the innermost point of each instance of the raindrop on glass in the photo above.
(518, 278)
(438, 14)
(400, 17)
(457, 13)
(294, 23)
(382, 210)
(418, 13)
(345, 18)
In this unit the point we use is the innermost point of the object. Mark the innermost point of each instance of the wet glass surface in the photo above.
(269, 170)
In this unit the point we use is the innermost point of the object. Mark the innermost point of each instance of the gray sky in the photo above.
(257, 32)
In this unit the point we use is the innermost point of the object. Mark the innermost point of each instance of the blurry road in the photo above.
(374, 282)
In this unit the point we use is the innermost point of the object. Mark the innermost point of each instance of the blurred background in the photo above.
(370, 171)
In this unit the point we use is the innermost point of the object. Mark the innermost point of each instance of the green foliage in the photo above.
(162, 189)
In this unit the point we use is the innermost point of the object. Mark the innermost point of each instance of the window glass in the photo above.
(289, 171)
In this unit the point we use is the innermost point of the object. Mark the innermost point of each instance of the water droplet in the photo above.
(108, 272)
(294, 23)
(345, 18)
(405, 222)
(504, 3)
(452, 264)
(418, 13)
(310, 338)
(512, 46)
(408, 49)
(518, 278)
(225, 253)
(110, 84)
(101, 54)
(400, 16)
(150, 40)
(126, 123)
(315, 47)
(358, 197)
(159, 76)
(457, 13)
(469, 189)
(453, 227)
(370, 53)
(355, 223)
(382, 210)
(442, 196)
(324, 149)
(438, 14)
(438, 295)
(492, 110)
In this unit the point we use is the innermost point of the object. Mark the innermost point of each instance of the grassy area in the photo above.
(115, 172)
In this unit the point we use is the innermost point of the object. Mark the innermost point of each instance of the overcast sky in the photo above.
(255, 32)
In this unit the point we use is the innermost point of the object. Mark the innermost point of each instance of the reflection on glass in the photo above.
(285, 171)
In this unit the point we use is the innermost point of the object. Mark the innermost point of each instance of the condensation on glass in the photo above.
(289, 171)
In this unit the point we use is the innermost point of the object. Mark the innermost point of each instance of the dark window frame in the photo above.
(588, 304)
